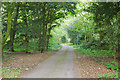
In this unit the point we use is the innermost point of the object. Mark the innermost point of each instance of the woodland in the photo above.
(92, 28)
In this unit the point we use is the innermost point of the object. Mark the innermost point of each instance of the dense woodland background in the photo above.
(92, 27)
(28, 25)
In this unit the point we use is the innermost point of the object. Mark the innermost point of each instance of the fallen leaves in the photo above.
(88, 67)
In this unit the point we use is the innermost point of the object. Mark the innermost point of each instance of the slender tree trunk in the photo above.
(40, 35)
(1, 51)
(40, 42)
(46, 37)
(49, 30)
(85, 34)
(26, 34)
(90, 34)
(34, 44)
(118, 36)
(26, 42)
(44, 29)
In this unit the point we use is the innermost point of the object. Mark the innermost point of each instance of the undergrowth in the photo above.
(8, 72)
(112, 65)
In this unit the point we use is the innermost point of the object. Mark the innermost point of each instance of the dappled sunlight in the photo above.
(60, 39)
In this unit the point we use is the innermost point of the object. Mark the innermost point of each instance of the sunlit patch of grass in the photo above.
(19, 49)
(70, 44)
(5, 50)
(54, 47)
(110, 75)
(8, 72)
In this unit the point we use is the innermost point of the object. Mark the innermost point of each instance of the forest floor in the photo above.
(25, 62)
(65, 63)
(89, 66)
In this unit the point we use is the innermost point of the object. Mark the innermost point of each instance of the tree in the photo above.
(105, 17)
(10, 8)
(32, 21)
(63, 39)
(13, 29)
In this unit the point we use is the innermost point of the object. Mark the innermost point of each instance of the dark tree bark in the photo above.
(26, 35)
(13, 31)
(48, 37)
(40, 42)
(44, 29)
(85, 35)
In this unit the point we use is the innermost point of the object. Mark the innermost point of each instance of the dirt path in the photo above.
(60, 65)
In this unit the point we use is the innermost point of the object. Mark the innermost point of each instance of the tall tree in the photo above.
(10, 8)
(13, 29)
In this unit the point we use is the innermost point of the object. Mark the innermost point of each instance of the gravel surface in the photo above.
(60, 65)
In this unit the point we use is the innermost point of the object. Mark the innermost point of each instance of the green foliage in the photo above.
(112, 65)
(110, 75)
(33, 21)
(54, 47)
(71, 44)
(63, 39)
(10, 72)
(91, 52)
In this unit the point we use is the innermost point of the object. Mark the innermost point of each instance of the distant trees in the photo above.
(63, 39)
(98, 23)
(106, 17)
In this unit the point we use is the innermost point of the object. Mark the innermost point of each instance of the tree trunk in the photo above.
(90, 34)
(85, 34)
(118, 36)
(12, 36)
(44, 29)
(8, 27)
(13, 31)
(10, 10)
(1, 51)
(26, 34)
(26, 42)
(34, 44)
(40, 44)
(48, 36)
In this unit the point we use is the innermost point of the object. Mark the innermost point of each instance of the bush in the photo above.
(112, 65)
(92, 51)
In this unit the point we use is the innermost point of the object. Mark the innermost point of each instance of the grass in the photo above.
(10, 72)
(18, 48)
(111, 65)
(110, 75)
(54, 47)
(92, 52)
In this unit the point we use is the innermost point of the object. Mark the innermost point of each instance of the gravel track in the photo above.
(60, 65)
